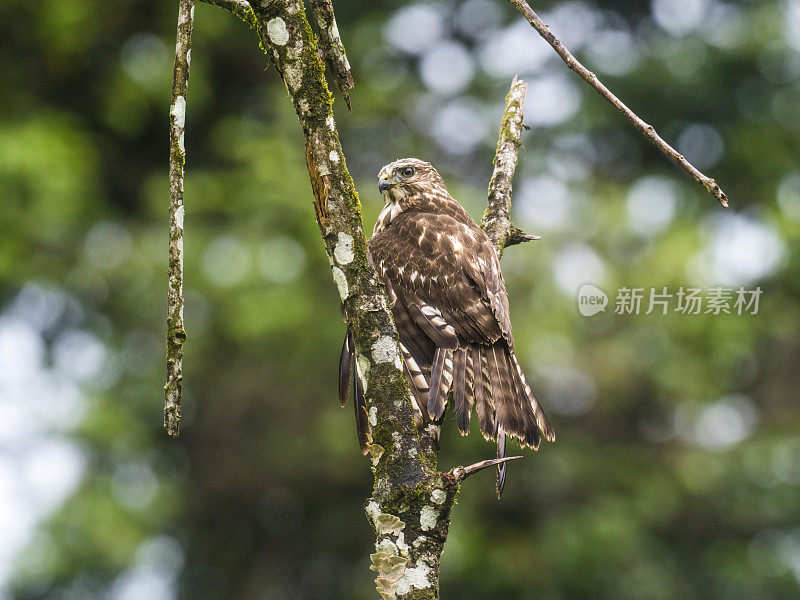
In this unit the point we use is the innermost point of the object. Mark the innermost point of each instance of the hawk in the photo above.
(449, 303)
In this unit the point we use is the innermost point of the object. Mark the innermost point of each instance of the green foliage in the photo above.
(675, 472)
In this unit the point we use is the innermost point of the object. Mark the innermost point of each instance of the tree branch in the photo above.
(647, 130)
(286, 33)
(496, 220)
(176, 335)
(461, 473)
(332, 47)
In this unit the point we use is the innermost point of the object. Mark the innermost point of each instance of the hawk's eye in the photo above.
(407, 172)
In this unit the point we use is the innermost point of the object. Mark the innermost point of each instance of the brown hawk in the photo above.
(449, 303)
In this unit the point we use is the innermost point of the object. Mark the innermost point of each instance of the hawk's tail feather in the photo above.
(483, 392)
(447, 373)
(531, 436)
(501, 468)
(345, 366)
(417, 384)
(441, 380)
(362, 420)
(435, 403)
(348, 370)
(469, 389)
(462, 397)
(541, 419)
(508, 414)
(502, 397)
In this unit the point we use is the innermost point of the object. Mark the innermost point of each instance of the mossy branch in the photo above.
(332, 48)
(648, 131)
(496, 220)
(176, 334)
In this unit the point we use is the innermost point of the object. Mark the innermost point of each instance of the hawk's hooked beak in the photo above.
(383, 185)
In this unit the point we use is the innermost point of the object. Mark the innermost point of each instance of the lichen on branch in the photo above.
(496, 220)
(176, 334)
(332, 48)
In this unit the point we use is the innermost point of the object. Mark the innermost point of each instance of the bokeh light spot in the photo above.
(447, 68)
(651, 204)
(281, 259)
(146, 59)
(226, 261)
(576, 264)
(679, 17)
(414, 29)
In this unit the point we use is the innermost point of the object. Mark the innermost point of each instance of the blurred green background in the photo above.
(676, 474)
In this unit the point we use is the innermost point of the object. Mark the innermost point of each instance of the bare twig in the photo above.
(647, 130)
(461, 473)
(518, 236)
(332, 48)
(496, 220)
(176, 335)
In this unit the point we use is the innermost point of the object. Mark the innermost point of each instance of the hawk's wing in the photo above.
(451, 310)
(447, 277)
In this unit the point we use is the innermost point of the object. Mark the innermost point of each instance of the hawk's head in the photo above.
(404, 183)
(405, 177)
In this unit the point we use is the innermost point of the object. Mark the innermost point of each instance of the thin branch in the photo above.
(240, 8)
(176, 335)
(519, 237)
(496, 220)
(461, 473)
(332, 48)
(647, 130)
